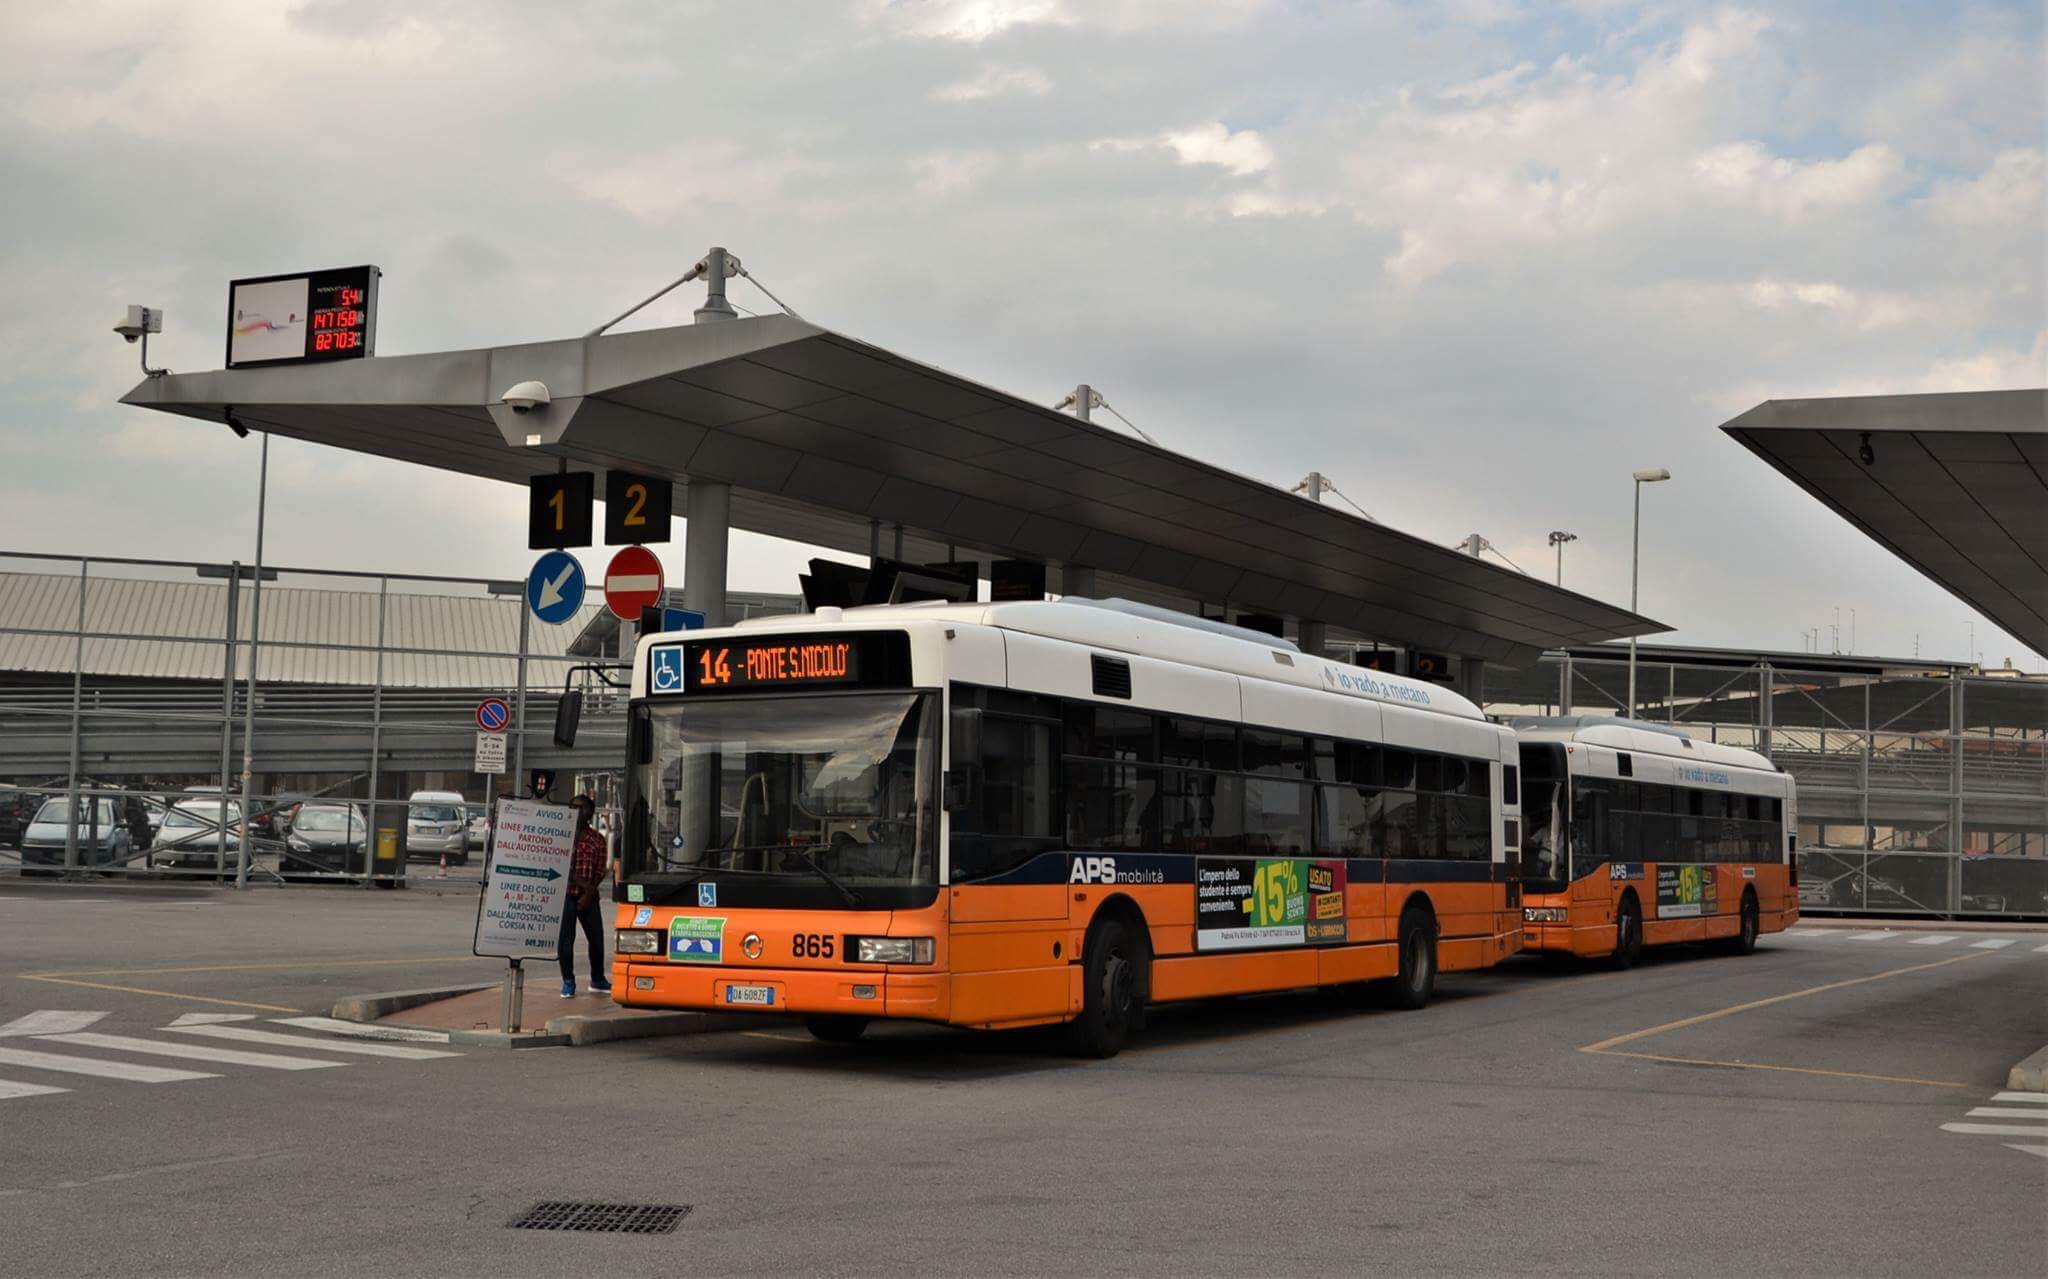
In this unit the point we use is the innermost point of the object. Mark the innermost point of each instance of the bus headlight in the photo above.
(1543, 915)
(892, 950)
(636, 941)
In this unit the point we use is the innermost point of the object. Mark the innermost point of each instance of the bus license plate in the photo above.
(759, 996)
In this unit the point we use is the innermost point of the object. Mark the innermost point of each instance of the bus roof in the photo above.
(1151, 633)
(1638, 736)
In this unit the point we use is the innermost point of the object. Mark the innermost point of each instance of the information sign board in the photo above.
(636, 508)
(490, 752)
(303, 318)
(519, 915)
(558, 510)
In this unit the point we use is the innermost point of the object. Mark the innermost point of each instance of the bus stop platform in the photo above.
(470, 1015)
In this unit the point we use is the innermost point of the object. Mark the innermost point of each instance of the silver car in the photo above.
(436, 826)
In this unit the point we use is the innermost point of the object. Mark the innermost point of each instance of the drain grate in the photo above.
(628, 1219)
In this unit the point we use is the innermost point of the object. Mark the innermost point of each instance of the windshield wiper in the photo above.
(810, 856)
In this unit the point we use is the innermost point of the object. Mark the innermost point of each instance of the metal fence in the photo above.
(1922, 789)
(152, 725)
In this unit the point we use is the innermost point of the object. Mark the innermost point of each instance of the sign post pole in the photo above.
(515, 996)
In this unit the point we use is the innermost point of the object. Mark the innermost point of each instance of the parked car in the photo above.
(191, 837)
(479, 836)
(435, 826)
(102, 837)
(326, 837)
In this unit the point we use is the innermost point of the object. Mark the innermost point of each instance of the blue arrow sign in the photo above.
(554, 589)
(681, 619)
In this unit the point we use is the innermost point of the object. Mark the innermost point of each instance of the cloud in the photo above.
(1242, 153)
(1474, 265)
(995, 82)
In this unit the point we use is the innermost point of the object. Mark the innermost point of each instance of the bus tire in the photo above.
(1415, 982)
(836, 1028)
(1628, 933)
(1744, 940)
(1112, 988)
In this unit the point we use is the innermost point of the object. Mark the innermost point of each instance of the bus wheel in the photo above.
(1112, 977)
(1744, 940)
(1628, 934)
(838, 1028)
(1412, 987)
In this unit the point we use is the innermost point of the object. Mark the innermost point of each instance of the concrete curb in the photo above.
(378, 1007)
(2030, 1075)
(499, 1039)
(582, 1030)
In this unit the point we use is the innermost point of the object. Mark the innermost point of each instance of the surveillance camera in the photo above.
(526, 397)
(138, 321)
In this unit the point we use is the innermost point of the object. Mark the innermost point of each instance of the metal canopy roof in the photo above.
(820, 435)
(1958, 488)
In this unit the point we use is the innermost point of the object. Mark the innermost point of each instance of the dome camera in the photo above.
(526, 397)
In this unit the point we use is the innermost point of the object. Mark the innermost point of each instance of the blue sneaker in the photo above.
(568, 990)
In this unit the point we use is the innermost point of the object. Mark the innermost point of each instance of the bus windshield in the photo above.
(833, 789)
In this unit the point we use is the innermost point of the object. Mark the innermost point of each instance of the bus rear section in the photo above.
(1021, 814)
(1638, 835)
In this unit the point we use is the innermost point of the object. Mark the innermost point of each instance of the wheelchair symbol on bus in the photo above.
(668, 670)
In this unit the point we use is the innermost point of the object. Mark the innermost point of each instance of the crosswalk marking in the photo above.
(1815, 932)
(130, 1071)
(229, 1056)
(1991, 943)
(210, 1019)
(247, 1035)
(8, 1088)
(335, 1026)
(2020, 1096)
(48, 1021)
(2032, 1150)
(2008, 1112)
(1997, 1130)
(1934, 939)
(1876, 936)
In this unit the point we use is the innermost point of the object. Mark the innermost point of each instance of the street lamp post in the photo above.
(1558, 537)
(1635, 556)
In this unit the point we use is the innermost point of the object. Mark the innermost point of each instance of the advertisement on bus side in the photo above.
(1244, 903)
(1686, 892)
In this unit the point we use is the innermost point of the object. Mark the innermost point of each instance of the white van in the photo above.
(436, 825)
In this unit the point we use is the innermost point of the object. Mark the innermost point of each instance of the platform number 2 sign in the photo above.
(636, 508)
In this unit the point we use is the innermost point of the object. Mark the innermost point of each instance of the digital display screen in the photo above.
(305, 318)
(770, 663)
(755, 664)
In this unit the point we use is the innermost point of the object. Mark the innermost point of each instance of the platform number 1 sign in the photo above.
(558, 510)
(636, 508)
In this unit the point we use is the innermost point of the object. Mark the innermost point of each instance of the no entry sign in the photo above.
(632, 582)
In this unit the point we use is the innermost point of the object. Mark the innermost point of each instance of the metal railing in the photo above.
(129, 688)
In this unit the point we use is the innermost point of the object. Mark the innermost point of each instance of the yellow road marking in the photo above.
(167, 994)
(1683, 1022)
(769, 1034)
(1605, 1047)
(72, 978)
(235, 968)
(1797, 1070)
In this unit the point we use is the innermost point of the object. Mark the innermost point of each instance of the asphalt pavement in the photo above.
(1804, 1110)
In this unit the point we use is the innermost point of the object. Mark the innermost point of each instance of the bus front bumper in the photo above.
(863, 992)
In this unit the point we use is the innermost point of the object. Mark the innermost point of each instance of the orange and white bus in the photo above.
(1000, 815)
(1637, 835)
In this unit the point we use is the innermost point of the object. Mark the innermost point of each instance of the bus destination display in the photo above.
(309, 317)
(718, 666)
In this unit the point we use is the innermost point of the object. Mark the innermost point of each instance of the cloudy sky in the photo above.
(1474, 260)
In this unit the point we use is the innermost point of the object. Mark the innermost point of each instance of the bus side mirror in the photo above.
(568, 714)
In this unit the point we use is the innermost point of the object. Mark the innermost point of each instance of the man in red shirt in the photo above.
(586, 873)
